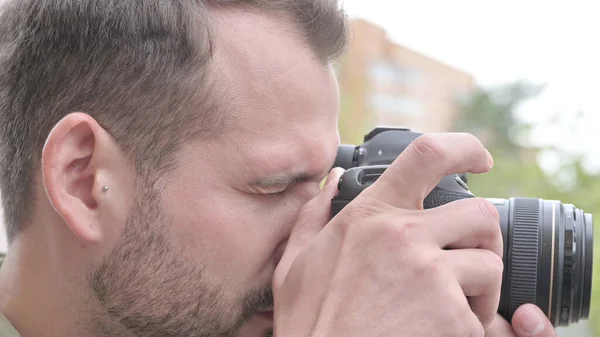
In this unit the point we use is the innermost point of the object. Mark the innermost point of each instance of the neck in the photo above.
(42, 298)
(28, 294)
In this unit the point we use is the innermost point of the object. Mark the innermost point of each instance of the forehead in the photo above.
(284, 101)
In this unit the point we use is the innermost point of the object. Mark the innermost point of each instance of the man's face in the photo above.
(197, 257)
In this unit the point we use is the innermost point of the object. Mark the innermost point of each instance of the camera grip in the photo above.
(439, 197)
(337, 204)
(449, 189)
(436, 198)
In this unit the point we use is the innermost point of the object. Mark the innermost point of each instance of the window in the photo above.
(395, 104)
(388, 72)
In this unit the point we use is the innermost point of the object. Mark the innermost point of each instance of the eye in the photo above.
(288, 190)
(283, 192)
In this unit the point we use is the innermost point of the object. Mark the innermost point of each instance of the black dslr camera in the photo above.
(548, 245)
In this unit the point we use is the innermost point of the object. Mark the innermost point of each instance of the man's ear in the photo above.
(77, 160)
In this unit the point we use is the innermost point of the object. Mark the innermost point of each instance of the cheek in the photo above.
(233, 234)
(305, 193)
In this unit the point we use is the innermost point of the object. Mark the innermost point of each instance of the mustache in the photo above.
(261, 300)
(257, 301)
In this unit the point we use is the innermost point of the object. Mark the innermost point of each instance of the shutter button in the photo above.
(460, 182)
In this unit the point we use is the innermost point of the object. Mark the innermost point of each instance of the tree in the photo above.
(491, 114)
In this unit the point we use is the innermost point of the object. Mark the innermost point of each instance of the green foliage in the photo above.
(516, 172)
(491, 115)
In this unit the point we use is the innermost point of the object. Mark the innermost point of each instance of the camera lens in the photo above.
(548, 255)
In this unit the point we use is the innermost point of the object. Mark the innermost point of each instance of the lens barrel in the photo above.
(548, 256)
(548, 245)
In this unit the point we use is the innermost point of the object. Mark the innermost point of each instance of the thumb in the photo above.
(311, 220)
(530, 321)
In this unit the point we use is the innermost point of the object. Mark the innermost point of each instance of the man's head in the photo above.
(210, 122)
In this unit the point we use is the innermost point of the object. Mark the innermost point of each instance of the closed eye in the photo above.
(286, 191)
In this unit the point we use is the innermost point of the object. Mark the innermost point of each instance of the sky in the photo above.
(546, 42)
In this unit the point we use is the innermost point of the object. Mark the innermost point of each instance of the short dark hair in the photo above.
(133, 65)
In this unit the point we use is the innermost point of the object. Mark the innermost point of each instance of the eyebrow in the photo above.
(281, 180)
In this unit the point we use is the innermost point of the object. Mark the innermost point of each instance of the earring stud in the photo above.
(104, 188)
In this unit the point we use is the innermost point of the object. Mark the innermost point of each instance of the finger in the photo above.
(464, 320)
(479, 273)
(313, 217)
(420, 167)
(466, 223)
(500, 328)
(529, 320)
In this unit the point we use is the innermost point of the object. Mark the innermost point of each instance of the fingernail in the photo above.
(532, 323)
(333, 174)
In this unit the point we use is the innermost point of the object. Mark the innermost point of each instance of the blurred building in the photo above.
(383, 83)
(3, 239)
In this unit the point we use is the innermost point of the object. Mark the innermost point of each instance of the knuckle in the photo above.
(390, 234)
(357, 212)
(429, 147)
(355, 217)
(487, 209)
(431, 268)
(366, 213)
(494, 265)
(399, 233)
(365, 207)
(488, 217)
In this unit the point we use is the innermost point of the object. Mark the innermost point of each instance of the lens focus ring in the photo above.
(569, 276)
(525, 253)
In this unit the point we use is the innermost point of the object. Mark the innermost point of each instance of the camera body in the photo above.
(365, 163)
(548, 246)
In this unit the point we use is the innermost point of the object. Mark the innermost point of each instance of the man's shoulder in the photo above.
(6, 327)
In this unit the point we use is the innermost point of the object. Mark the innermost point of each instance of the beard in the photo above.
(147, 287)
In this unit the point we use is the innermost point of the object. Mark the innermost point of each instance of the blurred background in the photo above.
(520, 75)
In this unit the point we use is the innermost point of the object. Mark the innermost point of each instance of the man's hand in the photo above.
(386, 267)
(528, 321)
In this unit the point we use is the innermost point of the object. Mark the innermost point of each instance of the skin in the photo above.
(138, 261)
(382, 266)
